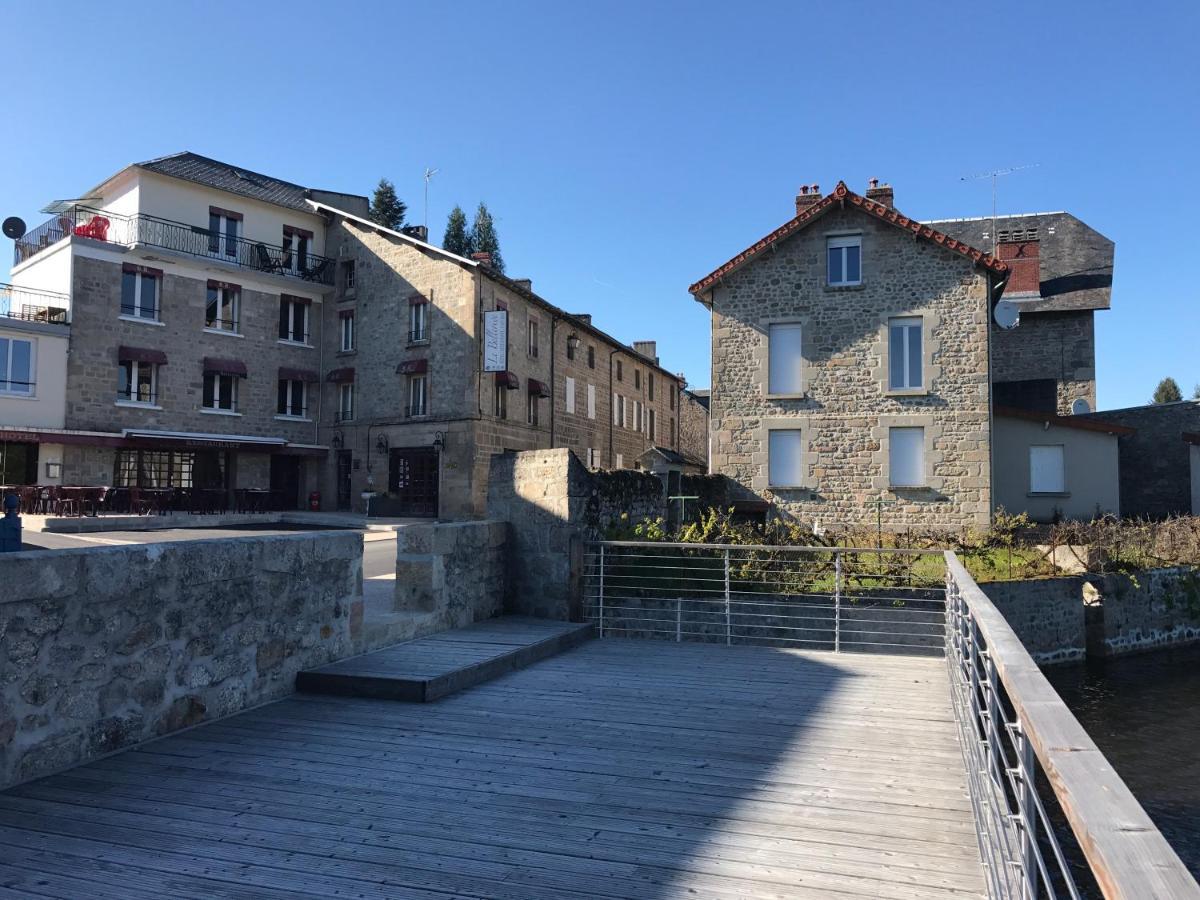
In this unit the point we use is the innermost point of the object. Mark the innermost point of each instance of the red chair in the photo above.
(96, 228)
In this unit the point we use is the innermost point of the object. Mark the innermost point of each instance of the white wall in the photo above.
(48, 406)
(50, 270)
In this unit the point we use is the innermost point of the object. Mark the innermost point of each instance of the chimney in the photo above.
(647, 348)
(809, 194)
(881, 193)
(1024, 258)
(420, 232)
(482, 258)
(526, 283)
(585, 318)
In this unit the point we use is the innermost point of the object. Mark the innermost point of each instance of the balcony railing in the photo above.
(194, 240)
(31, 305)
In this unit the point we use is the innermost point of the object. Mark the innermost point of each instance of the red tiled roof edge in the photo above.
(842, 193)
(1088, 424)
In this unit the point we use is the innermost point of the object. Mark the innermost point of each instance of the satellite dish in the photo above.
(14, 228)
(1081, 407)
(1007, 314)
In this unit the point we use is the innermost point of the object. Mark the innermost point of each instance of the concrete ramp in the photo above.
(429, 668)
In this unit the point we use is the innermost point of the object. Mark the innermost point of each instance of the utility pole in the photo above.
(429, 173)
(994, 174)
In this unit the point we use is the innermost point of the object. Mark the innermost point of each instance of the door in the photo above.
(285, 480)
(18, 463)
(345, 462)
(413, 481)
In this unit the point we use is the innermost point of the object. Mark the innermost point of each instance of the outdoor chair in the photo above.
(96, 228)
(317, 272)
(265, 262)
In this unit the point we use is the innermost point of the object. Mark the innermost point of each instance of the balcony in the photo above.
(192, 240)
(28, 305)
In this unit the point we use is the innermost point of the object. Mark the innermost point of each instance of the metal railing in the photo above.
(194, 240)
(1031, 767)
(813, 597)
(31, 305)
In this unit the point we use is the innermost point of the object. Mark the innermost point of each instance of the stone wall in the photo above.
(1051, 345)
(846, 407)
(1065, 619)
(102, 648)
(450, 574)
(693, 427)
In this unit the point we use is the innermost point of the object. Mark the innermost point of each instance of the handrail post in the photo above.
(678, 619)
(837, 602)
(601, 628)
(1027, 820)
(728, 623)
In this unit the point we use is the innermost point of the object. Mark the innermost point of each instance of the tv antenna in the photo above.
(429, 173)
(994, 174)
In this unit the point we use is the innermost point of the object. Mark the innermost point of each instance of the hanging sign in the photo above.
(495, 340)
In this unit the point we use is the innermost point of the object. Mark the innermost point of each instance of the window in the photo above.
(223, 227)
(224, 303)
(636, 423)
(418, 322)
(533, 337)
(650, 387)
(906, 457)
(616, 409)
(672, 422)
(671, 397)
(1047, 470)
(845, 259)
(293, 320)
(570, 392)
(418, 394)
(591, 357)
(591, 401)
(347, 323)
(295, 239)
(784, 457)
(137, 382)
(220, 392)
(620, 373)
(531, 409)
(345, 410)
(16, 367)
(158, 468)
(904, 353)
(785, 359)
(292, 399)
(571, 347)
(593, 458)
(637, 379)
(139, 294)
(652, 428)
(348, 276)
(501, 408)
(620, 462)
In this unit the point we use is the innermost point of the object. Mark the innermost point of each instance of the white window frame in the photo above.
(531, 408)
(297, 248)
(842, 242)
(129, 397)
(895, 479)
(230, 298)
(305, 335)
(636, 422)
(781, 475)
(778, 354)
(620, 461)
(347, 331)
(591, 401)
(418, 323)
(295, 390)
(218, 380)
(533, 337)
(418, 395)
(345, 408)
(593, 458)
(906, 325)
(139, 310)
(226, 244)
(1058, 481)
(6, 376)
(569, 394)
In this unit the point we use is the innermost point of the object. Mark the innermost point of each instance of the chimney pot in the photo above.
(809, 194)
(816, 188)
(804, 189)
(881, 193)
(873, 182)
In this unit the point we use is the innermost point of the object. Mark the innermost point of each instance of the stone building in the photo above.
(420, 411)
(693, 428)
(850, 363)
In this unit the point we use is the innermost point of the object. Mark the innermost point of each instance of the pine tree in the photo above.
(484, 239)
(1196, 392)
(457, 239)
(386, 208)
(1167, 391)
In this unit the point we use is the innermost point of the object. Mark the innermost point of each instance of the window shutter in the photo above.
(570, 395)
(785, 359)
(784, 458)
(906, 457)
(1047, 470)
(591, 401)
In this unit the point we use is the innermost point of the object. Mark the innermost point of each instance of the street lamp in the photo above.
(572, 342)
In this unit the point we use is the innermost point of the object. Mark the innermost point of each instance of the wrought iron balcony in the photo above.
(30, 305)
(194, 240)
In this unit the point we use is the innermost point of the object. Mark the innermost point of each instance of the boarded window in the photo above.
(1047, 470)
(786, 359)
(784, 458)
(906, 457)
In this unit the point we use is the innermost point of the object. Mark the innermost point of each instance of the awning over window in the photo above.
(141, 354)
(539, 388)
(417, 299)
(413, 367)
(508, 380)
(341, 375)
(214, 365)
(306, 375)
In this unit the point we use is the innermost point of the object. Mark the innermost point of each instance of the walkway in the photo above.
(620, 769)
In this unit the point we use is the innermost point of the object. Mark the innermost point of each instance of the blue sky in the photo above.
(626, 149)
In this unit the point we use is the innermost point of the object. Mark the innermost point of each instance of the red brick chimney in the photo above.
(1024, 258)
(809, 194)
(881, 193)
(482, 257)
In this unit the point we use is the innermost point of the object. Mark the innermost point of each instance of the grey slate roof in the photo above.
(1076, 260)
(223, 176)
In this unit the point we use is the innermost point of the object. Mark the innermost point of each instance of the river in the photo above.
(1143, 711)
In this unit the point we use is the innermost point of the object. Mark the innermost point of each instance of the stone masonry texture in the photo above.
(102, 648)
(451, 574)
(1052, 345)
(847, 409)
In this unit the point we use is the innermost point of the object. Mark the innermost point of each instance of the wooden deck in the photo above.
(620, 769)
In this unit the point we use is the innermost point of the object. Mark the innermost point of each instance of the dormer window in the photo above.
(844, 255)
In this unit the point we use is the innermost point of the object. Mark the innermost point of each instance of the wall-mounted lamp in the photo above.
(572, 342)
(381, 443)
(54, 470)
(439, 440)
(337, 440)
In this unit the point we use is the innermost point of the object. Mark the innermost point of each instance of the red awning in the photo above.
(141, 354)
(539, 388)
(413, 367)
(417, 299)
(341, 375)
(508, 380)
(306, 375)
(214, 365)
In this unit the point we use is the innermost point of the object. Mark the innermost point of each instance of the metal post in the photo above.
(678, 619)
(601, 629)
(1027, 821)
(728, 624)
(837, 602)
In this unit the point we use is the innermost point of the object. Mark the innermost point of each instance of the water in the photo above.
(1143, 712)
